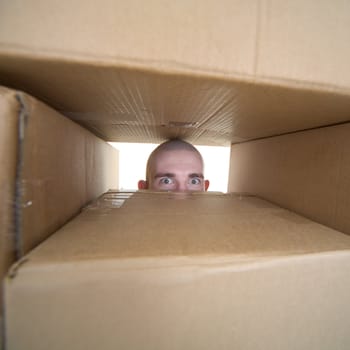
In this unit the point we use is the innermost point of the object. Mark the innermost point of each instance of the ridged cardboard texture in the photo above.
(213, 73)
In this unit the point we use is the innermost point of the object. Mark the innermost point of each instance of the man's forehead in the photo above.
(176, 158)
(177, 154)
(175, 161)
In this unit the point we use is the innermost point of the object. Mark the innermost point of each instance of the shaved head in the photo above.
(175, 165)
(170, 145)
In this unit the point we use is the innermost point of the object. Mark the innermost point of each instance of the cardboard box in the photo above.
(307, 172)
(215, 73)
(169, 271)
(218, 73)
(8, 156)
(50, 168)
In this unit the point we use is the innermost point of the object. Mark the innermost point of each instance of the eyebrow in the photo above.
(164, 175)
(158, 175)
(196, 175)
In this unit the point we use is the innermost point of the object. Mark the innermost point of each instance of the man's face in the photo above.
(177, 170)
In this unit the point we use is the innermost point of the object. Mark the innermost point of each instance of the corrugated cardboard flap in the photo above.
(168, 225)
(213, 73)
(162, 271)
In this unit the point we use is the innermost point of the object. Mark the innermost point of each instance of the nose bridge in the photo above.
(181, 184)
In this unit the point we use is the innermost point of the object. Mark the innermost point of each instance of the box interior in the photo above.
(273, 84)
(259, 75)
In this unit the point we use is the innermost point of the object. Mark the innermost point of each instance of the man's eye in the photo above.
(196, 181)
(166, 181)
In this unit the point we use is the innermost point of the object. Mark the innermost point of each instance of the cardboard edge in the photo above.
(157, 278)
(207, 264)
(23, 116)
(168, 68)
(7, 208)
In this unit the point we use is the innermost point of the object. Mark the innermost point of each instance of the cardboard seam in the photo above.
(170, 67)
(23, 116)
(206, 262)
(292, 132)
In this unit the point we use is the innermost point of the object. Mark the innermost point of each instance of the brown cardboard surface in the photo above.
(148, 225)
(65, 167)
(50, 168)
(304, 39)
(8, 159)
(307, 172)
(102, 167)
(293, 40)
(201, 271)
(182, 70)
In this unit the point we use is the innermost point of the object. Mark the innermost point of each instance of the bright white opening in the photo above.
(133, 158)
